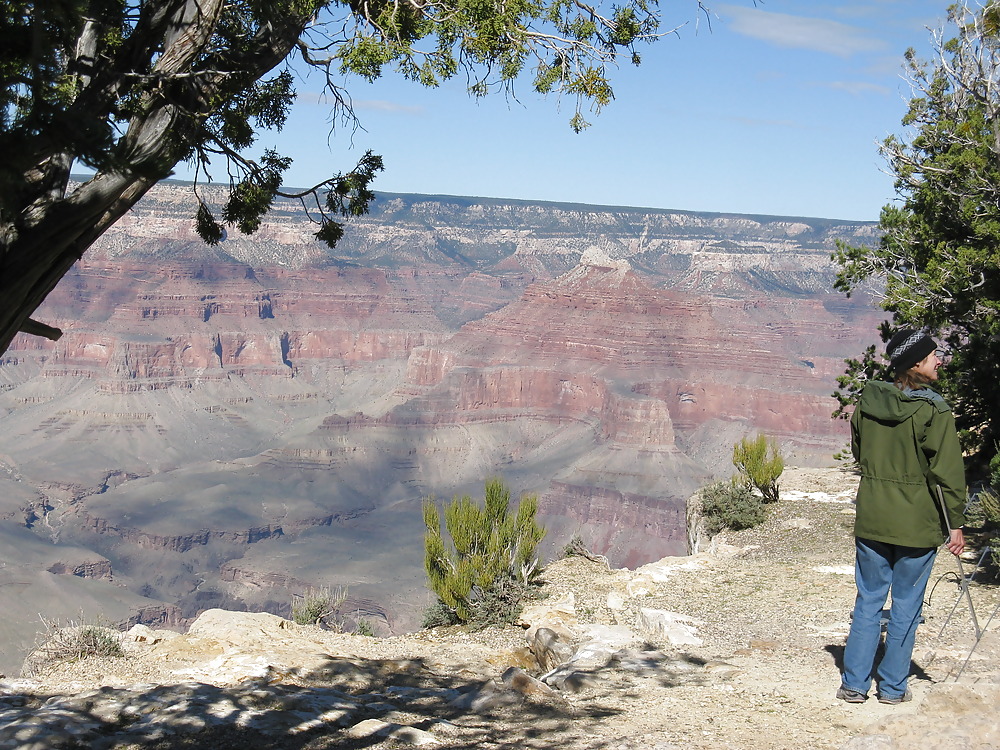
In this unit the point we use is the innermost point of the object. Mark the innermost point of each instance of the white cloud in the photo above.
(798, 32)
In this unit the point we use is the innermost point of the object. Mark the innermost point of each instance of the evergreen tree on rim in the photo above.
(937, 264)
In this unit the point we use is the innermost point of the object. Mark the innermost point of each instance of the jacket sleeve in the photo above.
(946, 467)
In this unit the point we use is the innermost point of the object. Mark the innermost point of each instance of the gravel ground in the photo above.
(772, 607)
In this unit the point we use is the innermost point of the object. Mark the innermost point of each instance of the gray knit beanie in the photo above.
(908, 347)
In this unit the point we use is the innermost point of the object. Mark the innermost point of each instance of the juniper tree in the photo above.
(937, 264)
(131, 88)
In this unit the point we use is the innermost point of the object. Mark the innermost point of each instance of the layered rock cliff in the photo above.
(218, 425)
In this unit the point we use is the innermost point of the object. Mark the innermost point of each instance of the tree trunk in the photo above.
(50, 229)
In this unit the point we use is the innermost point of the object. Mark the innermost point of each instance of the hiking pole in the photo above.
(979, 565)
(963, 581)
(974, 645)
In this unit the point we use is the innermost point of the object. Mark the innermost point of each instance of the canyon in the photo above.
(233, 425)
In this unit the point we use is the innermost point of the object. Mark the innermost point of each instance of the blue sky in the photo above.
(777, 110)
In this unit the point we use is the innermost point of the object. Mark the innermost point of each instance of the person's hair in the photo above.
(910, 378)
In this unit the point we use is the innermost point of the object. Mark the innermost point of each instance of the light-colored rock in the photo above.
(870, 742)
(145, 634)
(639, 586)
(558, 614)
(577, 681)
(549, 649)
(413, 736)
(678, 630)
(237, 627)
(523, 683)
(370, 728)
(485, 698)
(606, 636)
(662, 570)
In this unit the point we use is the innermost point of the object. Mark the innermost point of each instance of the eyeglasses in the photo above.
(944, 355)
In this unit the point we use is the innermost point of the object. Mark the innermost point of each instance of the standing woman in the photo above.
(903, 436)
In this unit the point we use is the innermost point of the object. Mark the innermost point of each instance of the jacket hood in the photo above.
(885, 402)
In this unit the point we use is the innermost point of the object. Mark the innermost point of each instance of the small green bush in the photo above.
(97, 640)
(363, 627)
(438, 615)
(760, 464)
(990, 505)
(490, 550)
(318, 607)
(730, 505)
(498, 605)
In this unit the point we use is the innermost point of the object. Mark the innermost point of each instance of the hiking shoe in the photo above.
(851, 696)
(895, 700)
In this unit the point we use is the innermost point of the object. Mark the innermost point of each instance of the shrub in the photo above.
(438, 615)
(66, 643)
(989, 504)
(498, 605)
(318, 607)
(575, 547)
(490, 550)
(759, 463)
(363, 627)
(730, 505)
(846, 457)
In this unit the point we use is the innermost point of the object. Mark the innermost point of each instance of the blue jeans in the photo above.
(878, 568)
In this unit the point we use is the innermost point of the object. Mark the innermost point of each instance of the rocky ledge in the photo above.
(734, 647)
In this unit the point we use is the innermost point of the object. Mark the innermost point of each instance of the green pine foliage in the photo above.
(870, 366)
(760, 464)
(989, 500)
(481, 570)
(937, 263)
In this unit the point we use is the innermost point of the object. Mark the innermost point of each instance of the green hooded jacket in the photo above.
(907, 445)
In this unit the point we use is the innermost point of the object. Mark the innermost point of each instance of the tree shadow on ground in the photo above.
(311, 708)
